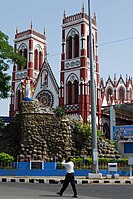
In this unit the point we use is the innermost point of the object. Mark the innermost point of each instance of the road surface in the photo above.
(12, 190)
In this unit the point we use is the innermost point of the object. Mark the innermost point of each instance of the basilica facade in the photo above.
(74, 92)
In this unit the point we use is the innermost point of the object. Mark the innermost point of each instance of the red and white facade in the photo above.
(74, 91)
(75, 67)
(32, 45)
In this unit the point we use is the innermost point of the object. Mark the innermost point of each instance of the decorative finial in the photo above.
(94, 15)
(114, 76)
(83, 7)
(16, 30)
(65, 14)
(31, 25)
(44, 31)
(126, 77)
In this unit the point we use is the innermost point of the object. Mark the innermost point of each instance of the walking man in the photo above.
(69, 165)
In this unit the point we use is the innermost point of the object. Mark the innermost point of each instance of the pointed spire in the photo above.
(115, 77)
(127, 78)
(44, 30)
(16, 30)
(65, 14)
(83, 7)
(94, 15)
(31, 25)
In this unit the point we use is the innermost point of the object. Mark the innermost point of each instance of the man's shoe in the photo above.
(75, 196)
(60, 194)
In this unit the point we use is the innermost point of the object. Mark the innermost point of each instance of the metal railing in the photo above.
(8, 165)
(102, 166)
(77, 165)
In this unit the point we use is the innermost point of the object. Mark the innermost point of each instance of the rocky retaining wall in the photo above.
(38, 133)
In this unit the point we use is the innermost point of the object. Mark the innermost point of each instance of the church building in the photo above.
(74, 92)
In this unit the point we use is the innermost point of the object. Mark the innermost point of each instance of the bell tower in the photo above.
(75, 66)
(31, 45)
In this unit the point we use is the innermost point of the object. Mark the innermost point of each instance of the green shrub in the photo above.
(86, 130)
(105, 160)
(99, 133)
(59, 111)
(122, 160)
(4, 157)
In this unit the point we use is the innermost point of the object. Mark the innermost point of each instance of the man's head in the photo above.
(68, 159)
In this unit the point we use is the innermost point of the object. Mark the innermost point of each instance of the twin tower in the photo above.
(74, 92)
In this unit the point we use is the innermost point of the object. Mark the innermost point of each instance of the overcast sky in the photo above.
(115, 31)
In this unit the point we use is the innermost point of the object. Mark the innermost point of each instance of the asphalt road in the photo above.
(48, 191)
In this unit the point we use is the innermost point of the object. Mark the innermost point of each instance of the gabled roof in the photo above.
(51, 75)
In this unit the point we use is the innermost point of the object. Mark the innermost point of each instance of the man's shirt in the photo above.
(69, 166)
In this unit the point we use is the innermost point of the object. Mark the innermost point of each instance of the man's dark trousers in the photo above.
(69, 178)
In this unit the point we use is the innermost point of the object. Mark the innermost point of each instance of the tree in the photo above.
(8, 55)
(2, 124)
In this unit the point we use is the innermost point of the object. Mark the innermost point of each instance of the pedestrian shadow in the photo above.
(48, 195)
(53, 196)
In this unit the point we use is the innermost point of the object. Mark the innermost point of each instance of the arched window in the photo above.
(18, 99)
(40, 59)
(72, 45)
(20, 52)
(76, 45)
(25, 55)
(88, 46)
(93, 49)
(69, 47)
(75, 91)
(69, 92)
(36, 59)
(23, 52)
(106, 131)
(121, 94)
(130, 94)
(109, 93)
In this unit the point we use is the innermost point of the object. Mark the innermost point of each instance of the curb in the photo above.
(58, 181)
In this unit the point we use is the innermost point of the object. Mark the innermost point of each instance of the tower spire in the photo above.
(31, 25)
(65, 14)
(44, 31)
(16, 30)
(83, 7)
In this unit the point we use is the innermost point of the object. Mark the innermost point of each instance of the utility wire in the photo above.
(103, 44)
(116, 41)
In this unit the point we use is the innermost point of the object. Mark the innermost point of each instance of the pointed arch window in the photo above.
(76, 45)
(69, 47)
(130, 94)
(93, 49)
(23, 52)
(18, 99)
(40, 59)
(72, 45)
(36, 59)
(75, 91)
(109, 93)
(25, 55)
(20, 52)
(88, 46)
(121, 94)
(69, 92)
